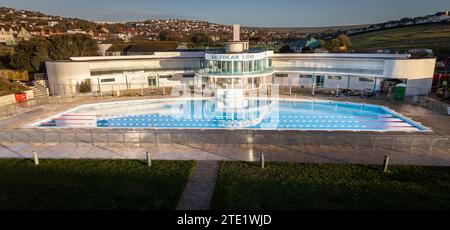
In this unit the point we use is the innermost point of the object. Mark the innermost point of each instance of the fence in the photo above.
(433, 104)
(23, 107)
(35, 103)
(384, 141)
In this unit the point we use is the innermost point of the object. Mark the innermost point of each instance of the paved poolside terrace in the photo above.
(418, 148)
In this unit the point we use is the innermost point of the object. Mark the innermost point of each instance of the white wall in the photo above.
(361, 85)
(62, 74)
(11, 98)
(411, 68)
(418, 86)
(418, 72)
(7, 100)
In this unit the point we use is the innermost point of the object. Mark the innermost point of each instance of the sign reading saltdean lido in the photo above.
(233, 56)
(230, 57)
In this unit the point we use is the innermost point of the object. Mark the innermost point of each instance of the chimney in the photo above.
(236, 32)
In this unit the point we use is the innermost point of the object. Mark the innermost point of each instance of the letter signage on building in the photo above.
(235, 57)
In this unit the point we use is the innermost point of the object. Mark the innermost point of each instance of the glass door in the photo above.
(320, 80)
(152, 81)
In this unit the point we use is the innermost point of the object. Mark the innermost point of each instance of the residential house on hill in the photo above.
(7, 36)
(23, 35)
(307, 43)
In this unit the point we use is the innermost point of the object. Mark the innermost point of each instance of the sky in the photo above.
(260, 13)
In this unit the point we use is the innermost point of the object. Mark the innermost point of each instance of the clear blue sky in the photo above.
(287, 13)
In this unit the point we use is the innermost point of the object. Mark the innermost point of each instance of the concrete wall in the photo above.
(418, 72)
(354, 83)
(11, 98)
(7, 100)
(62, 74)
(30, 94)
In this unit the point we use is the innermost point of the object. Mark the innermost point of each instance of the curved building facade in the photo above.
(238, 67)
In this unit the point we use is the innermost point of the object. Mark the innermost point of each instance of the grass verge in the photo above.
(91, 184)
(284, 186)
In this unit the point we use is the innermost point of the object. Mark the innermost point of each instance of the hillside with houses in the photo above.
(18, 25)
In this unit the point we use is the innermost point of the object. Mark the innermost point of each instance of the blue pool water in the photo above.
(242, 114)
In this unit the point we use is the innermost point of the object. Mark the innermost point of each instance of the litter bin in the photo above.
(21, 97)
(399, 92)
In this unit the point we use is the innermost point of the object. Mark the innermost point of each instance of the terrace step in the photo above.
(37, 92)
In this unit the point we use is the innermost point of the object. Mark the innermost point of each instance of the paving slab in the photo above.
(199, 190)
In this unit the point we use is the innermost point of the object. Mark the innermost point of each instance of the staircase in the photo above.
(38, 89)
(37, 92)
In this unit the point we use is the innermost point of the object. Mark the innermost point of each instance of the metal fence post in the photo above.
(149, 159)
(261, 159)
(35, 157)
(385, 164)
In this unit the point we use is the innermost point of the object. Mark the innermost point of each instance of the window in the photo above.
(366, 79)
(305, 76)
(281, 75)
(258, 65)
(165, 76)
(237, 65)
(335, 78)
(108, 80)
(247, 66)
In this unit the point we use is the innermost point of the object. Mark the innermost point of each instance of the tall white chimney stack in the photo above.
(236, 32)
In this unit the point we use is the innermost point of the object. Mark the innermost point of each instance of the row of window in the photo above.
(335, 78)
(106, 80)
(282, 75)
(239, 66)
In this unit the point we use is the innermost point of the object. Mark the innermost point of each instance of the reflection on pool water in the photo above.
(210, 113)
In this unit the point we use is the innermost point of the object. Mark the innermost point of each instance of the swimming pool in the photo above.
(270, 114)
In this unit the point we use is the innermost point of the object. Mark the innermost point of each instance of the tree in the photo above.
(62, 47)
(167, 35)
(201, 38)
(344, 40)
(83, 87)
(286, 49)
(31, 55)
(338, 44)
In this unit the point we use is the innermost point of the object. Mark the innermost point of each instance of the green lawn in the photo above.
(431, 36)
(330, 186)
(91, 184)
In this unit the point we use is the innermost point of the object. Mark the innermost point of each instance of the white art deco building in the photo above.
(239, 67)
